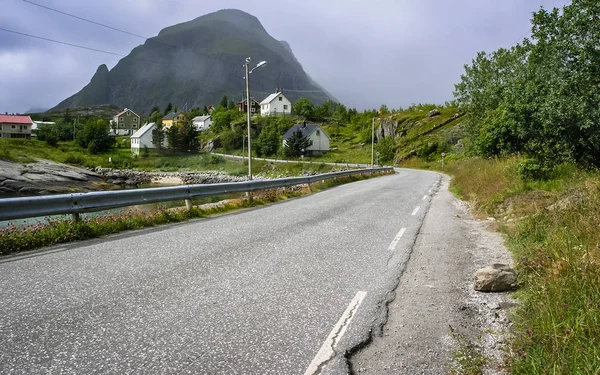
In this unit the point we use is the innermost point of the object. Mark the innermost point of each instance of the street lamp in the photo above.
(260, 64)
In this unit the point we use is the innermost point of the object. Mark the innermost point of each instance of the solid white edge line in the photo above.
(396, 239)
(416, 210)
(326, 351)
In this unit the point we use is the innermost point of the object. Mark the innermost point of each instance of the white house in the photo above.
(202, 122)
(315, 133)
(143, 138)
(275, 104)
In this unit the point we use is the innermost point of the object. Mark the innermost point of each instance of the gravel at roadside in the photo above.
(435, 307)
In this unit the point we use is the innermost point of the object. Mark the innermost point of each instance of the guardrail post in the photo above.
(188, 204)
(75, 217)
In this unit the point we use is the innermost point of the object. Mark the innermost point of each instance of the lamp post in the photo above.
(262, 63)
(372, 141)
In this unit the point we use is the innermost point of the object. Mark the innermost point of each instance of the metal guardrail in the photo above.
(27, 207)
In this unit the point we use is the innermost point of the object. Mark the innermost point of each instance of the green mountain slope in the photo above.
(197, 62)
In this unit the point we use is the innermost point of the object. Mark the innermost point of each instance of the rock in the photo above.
(495, 278)
(433, 113)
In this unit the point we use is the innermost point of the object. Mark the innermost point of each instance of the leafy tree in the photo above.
(222, 119)
(267, 143)
(154, 109)
(224, 102)
(183, 137)
(387, 149)
(304, 108)
(174, 137)
(231, 105)
(296, 145)
(169, 109)
(94, 136)
(156, 117)
(48, 133)
(67, 118)
(159, 135)
(542, 96)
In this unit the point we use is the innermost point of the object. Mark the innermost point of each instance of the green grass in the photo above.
(555, 243)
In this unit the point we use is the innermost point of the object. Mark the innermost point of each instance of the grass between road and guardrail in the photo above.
(17, 238)
(552, 228)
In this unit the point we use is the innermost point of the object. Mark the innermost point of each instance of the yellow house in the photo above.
(173, 118)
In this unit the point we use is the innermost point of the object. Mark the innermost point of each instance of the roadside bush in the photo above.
(530, 169)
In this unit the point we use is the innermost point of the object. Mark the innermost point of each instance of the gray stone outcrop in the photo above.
(495, 278)
(43, 177)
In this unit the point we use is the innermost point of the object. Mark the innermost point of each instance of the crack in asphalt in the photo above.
(391, 295)
(334, 339)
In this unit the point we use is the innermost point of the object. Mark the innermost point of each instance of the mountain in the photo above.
(196, 63)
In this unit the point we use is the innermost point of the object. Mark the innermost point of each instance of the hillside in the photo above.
(399, 136)
(196, 63)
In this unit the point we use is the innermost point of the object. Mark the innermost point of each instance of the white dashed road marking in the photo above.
(327, 350)
(396, 239)
(416, 210)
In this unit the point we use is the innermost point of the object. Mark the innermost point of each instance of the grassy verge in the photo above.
(17, 238)
(552, 228)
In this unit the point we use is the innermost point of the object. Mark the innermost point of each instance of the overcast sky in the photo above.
(366, 53)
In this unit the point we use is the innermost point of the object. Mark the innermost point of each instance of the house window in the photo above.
(280, 99)
(121, 118)
(285, 106)
(13, 126)
(135, 119)
(128, 113)
(253, 110)
(318, 133)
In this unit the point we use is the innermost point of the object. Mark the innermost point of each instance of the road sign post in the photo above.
(443, 156)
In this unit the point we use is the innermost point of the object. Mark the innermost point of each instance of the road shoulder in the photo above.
(435, 306)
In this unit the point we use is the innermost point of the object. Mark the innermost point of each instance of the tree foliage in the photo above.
(183, 137)
(296, 145)
(304, 108)
(542, 96)
(94, 136)
(159, 135)
(168, 109)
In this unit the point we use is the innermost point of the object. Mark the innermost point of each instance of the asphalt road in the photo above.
(283, 289)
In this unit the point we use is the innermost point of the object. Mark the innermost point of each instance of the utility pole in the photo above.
(372, 141)
(76, 122)
(248, 111)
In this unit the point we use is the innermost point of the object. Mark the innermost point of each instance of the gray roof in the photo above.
(143, 130)
(171, 115)
(201, 118)
(305, 130)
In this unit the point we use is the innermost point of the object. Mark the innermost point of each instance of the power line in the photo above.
(61, 42)
(75, 45)
(84, 19)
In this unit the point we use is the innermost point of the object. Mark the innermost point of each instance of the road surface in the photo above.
(284, 289)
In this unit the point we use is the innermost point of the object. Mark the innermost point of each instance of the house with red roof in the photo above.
(125, 122)
(15, 126)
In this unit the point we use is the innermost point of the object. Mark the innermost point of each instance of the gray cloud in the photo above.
(366, 53)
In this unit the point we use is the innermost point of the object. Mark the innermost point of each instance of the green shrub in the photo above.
(530, 169)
